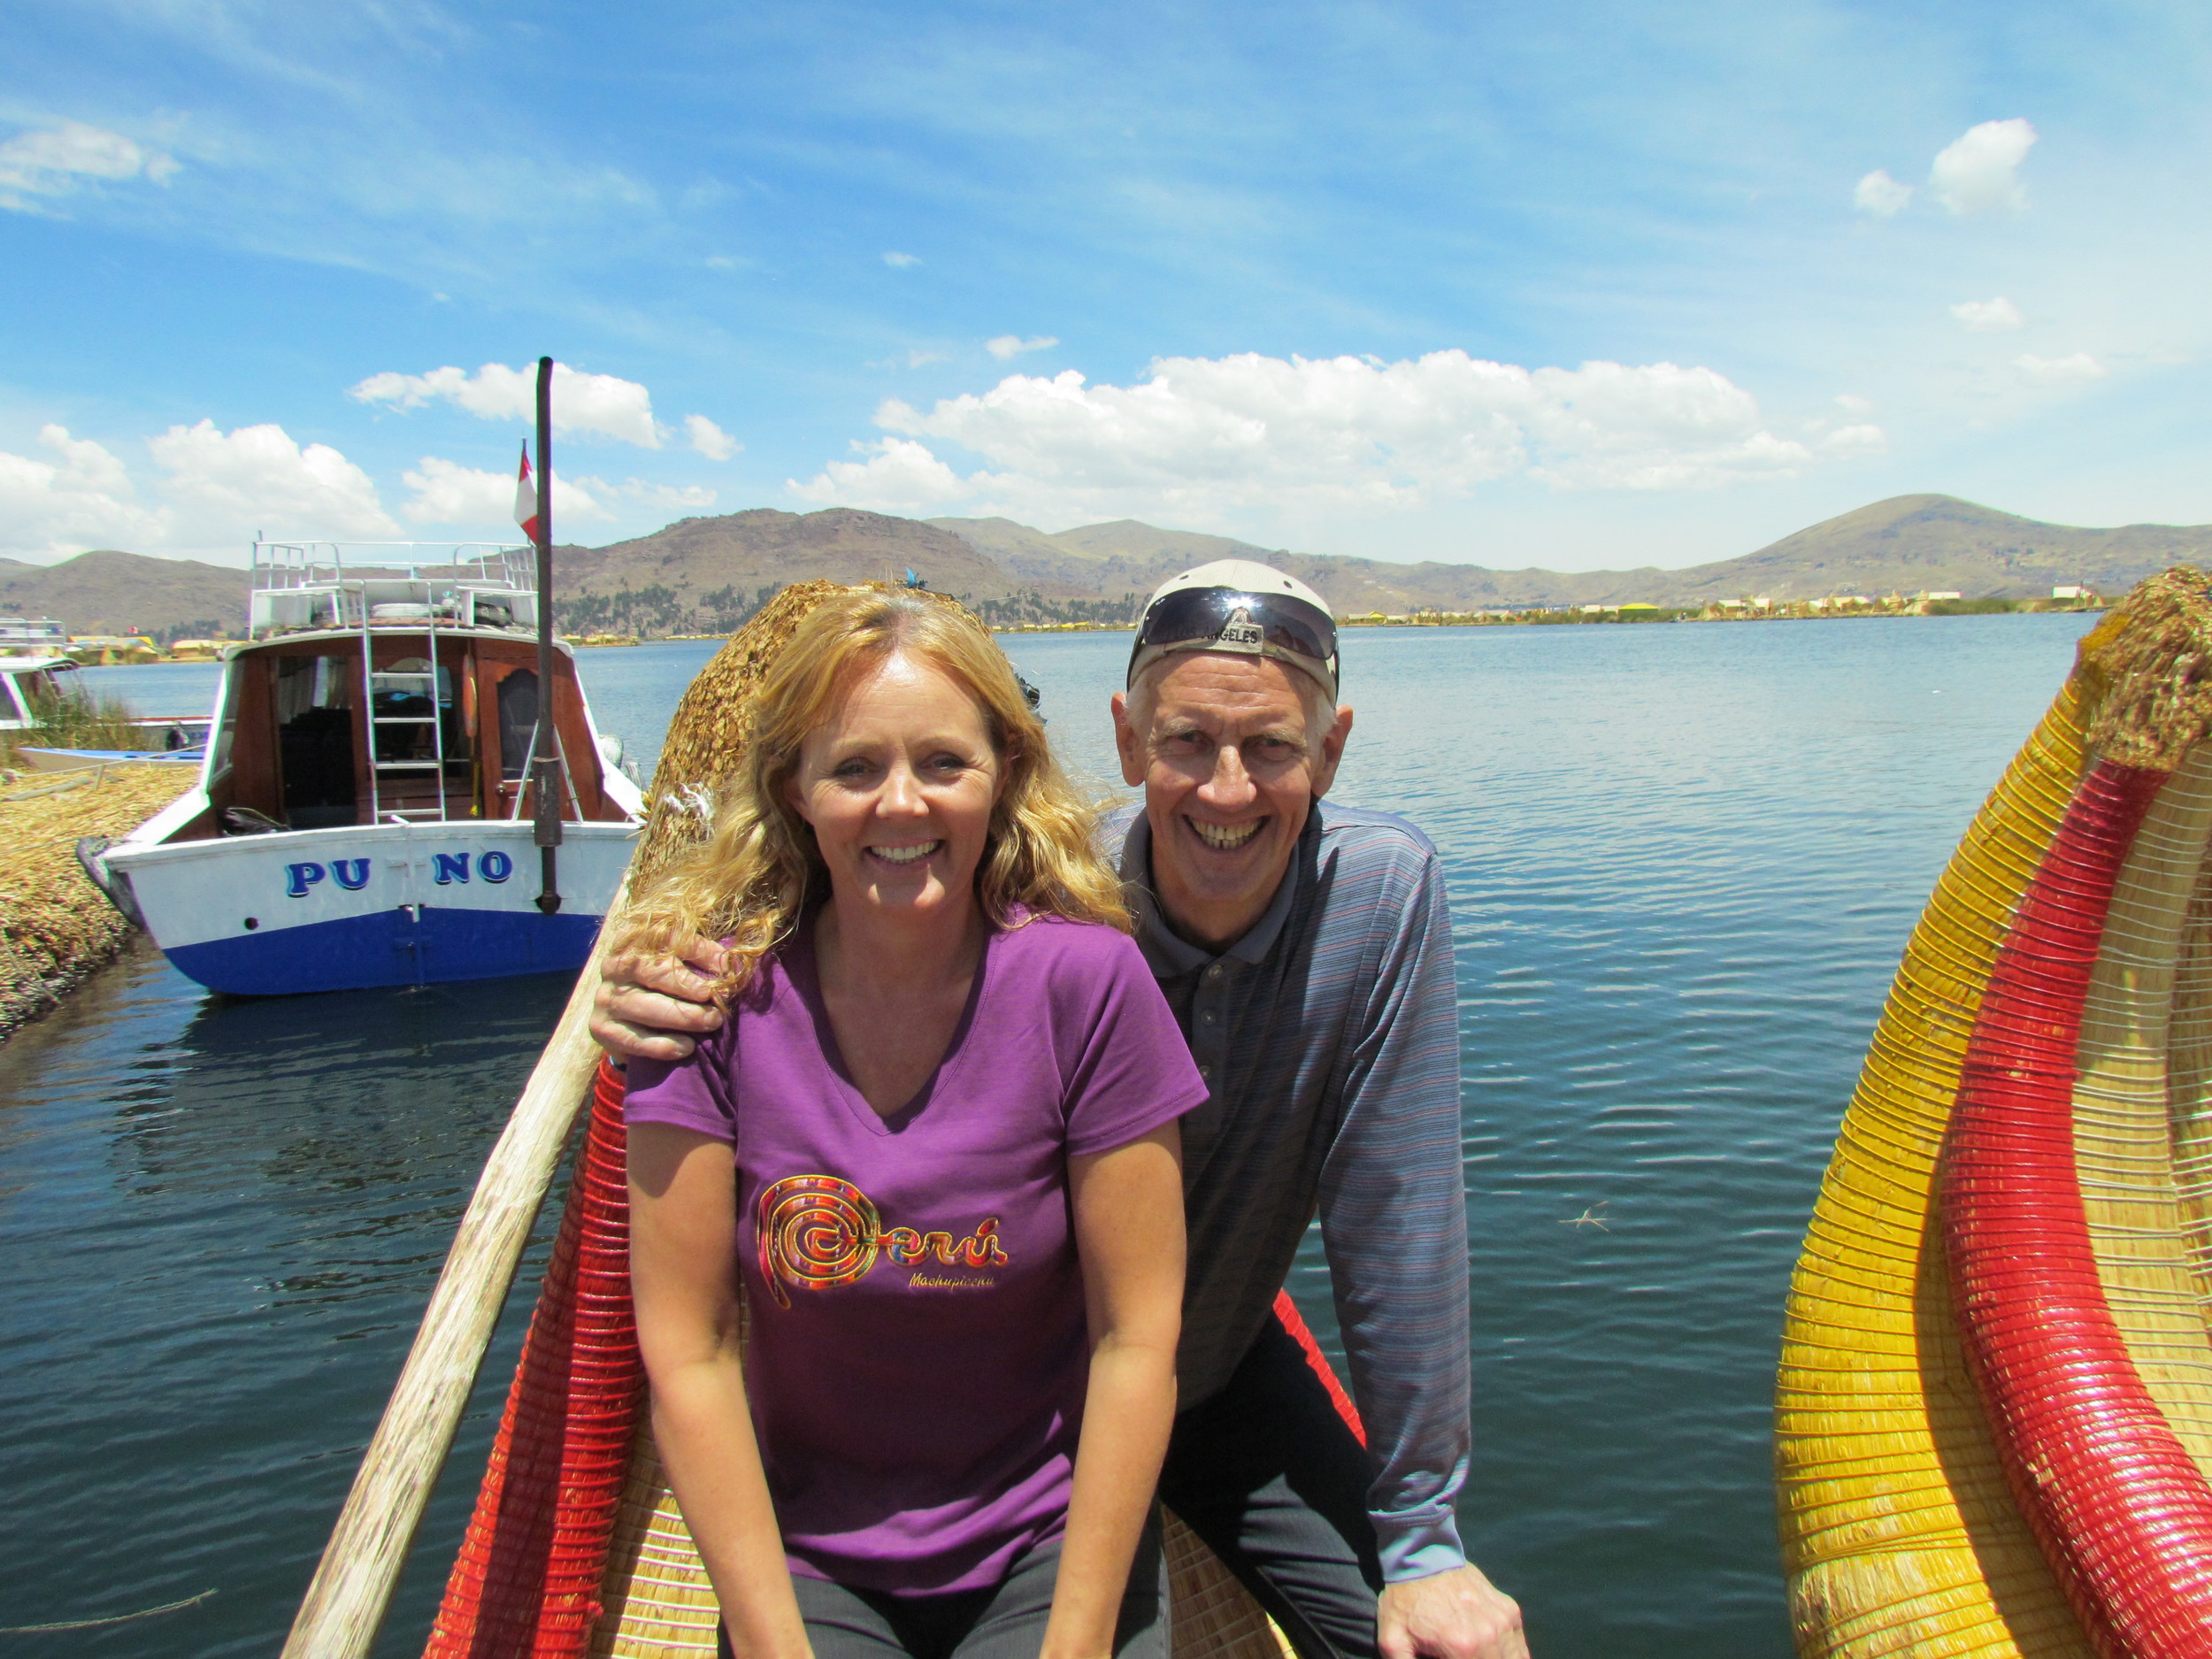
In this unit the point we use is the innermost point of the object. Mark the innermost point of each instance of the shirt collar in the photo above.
(1167, 952)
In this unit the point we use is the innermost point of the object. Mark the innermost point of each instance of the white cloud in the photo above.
(1881, 194)
(708, 439)
(448, 493)
(900, 261)
(1852, 403)
(919, 358)
(83, 499)
(668, 497)
(898, 473)
(53, 161)
(1200, 438)
(602, 403)
(1007, 346)
(1999, 316)
(229, 485)
(2068, 371)
(1849, 444)
(1980, 172)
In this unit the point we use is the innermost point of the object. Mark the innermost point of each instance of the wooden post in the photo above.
(353, 1584)
(546, 748)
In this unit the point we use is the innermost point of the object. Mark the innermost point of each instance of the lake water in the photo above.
(1683, 862)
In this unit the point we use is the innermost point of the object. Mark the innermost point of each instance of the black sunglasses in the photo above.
(1204, 613)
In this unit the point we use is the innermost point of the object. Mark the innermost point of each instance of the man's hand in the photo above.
(653, 1007)
(1455, 1614)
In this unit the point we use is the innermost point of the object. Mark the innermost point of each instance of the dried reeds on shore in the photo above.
(55, 925)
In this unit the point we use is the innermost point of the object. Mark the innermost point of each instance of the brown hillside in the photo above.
(704, 575)
(1910, 543)
(108, 592)
(747, 551)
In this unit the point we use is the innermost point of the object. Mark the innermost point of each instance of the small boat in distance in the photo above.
(364, 815)
(35, 674)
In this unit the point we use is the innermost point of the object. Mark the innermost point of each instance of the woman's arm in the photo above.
(683, 1276)
(1128, 1206)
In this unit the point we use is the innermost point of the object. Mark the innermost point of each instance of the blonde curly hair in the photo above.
(758, 869)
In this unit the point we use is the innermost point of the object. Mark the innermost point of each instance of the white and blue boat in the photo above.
(366, 804)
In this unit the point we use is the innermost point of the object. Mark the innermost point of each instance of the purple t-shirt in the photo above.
(919, 1352)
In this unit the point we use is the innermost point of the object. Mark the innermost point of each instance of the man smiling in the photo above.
(1306, 950)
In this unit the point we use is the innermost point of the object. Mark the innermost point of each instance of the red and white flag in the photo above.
(526, 498)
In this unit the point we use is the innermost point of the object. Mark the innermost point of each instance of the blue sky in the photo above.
(1576, 285)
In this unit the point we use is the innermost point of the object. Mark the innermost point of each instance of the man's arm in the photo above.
(653, 1007)
(1394, 1219)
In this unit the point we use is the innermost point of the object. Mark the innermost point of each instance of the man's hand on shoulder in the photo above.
(651, 1007)
(1455, 1614)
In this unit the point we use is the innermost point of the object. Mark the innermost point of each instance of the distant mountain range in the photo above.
(108, 592)
(706, 575)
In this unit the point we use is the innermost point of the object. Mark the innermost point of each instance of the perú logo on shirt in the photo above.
(817, 1233)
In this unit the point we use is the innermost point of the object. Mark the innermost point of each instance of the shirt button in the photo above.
(1205, 1072)
(1214, 972)
(1208, 1016)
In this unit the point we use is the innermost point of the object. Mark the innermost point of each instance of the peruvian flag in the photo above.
(526, 498)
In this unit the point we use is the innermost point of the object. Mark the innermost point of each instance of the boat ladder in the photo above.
(396, 679)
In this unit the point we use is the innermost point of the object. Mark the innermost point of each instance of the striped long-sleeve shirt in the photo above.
(1328, 1035)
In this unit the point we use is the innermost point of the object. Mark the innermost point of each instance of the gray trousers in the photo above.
(1006, 1622)
(1269, 1476)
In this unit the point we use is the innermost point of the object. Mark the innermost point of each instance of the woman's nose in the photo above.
(902, 792)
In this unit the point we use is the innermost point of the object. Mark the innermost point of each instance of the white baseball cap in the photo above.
(1242, 606)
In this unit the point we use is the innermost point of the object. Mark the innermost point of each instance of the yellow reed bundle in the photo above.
(1898, 1533)
(55, 925)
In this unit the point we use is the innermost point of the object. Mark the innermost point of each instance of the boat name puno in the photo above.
(353, 873)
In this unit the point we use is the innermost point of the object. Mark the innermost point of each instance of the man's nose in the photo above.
(1229, 785)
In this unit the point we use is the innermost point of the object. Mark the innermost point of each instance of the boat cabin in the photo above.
(380, 686)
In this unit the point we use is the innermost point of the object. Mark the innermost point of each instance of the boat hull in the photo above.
(347, 909)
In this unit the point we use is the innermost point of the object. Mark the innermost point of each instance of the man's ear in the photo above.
(1331, 749)
(1126, 742)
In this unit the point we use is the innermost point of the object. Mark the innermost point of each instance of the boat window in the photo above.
(314, 710)
(226, 730)
(518, 722)
(19, 707)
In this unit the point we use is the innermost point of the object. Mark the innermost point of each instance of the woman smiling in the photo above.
(934, 1148)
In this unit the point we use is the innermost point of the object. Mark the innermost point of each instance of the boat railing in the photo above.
(300, 585)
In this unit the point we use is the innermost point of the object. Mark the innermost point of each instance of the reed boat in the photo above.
(1994, 1416)
(364, 813)
(576, 1546)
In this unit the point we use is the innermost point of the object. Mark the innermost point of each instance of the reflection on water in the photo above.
(1683, 861)
(220, 1218)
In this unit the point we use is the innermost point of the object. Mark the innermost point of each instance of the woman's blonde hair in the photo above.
(759, 868)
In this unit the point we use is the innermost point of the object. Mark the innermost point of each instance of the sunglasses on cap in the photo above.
(1232, 620)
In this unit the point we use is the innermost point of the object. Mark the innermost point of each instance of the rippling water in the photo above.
(1683, 862)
